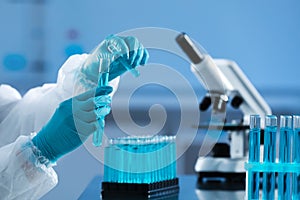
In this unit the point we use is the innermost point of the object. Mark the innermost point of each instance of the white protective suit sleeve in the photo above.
(21, 170)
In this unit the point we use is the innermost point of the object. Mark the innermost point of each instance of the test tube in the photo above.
(254, 156)
(269, 155)
(286, 133)
(296, 156)
(103, 81)
(124, 163)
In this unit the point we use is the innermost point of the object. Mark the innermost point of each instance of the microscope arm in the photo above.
(252, 101)
(224, 78)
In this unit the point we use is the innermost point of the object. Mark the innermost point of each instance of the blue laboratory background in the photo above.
(263, 37)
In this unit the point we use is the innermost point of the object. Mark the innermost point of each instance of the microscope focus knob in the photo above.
(206, 102)
(236, 102)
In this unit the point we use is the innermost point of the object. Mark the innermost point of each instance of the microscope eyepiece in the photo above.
(189, 48)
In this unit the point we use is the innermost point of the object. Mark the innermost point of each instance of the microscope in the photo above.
(225, 83)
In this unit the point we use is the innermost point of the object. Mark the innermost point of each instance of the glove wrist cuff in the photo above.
(40, 158)
(43, 150)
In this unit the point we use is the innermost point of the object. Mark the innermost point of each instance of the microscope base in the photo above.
(221, 173)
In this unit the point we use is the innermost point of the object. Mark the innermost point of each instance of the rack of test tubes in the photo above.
(274, 177)
(140, 168)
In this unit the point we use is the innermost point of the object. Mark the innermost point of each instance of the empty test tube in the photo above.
(269, 155)
(254, 156)
(296, 156)
(286, 133)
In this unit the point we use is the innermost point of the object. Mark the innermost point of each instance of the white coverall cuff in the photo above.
(39, 160)
(24, 176)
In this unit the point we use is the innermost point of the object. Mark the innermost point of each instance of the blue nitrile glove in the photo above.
(123, 53)
(73, 122)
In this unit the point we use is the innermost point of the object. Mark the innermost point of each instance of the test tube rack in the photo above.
(285, 169)
(140, 168)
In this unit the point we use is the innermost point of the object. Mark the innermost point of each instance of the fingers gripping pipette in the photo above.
(104, 68)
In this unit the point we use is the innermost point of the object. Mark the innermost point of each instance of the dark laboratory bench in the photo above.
(188, 191)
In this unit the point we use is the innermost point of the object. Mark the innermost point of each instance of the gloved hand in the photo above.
(119, 52)
(73, 122)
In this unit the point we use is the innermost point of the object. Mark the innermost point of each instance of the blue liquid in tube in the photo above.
(140, 159)
(296, 156)
(269, 155)
(286, 132)
(254, 156)
(98, 134)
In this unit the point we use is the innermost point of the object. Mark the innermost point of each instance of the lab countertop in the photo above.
(187, 184)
